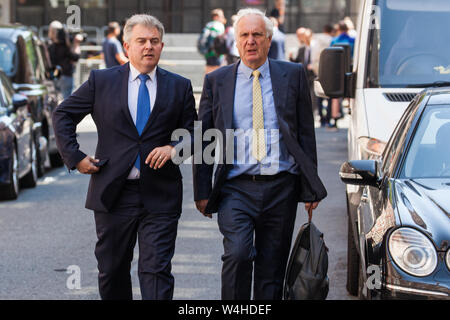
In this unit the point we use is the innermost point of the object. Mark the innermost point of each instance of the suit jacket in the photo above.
(105, 97)
(295, 118)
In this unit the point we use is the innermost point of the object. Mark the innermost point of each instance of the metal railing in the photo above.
(84, 66)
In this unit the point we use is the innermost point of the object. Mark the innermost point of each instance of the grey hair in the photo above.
(145, 20)
(252, 11)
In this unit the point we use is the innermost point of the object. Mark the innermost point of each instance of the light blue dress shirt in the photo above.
(278, 158)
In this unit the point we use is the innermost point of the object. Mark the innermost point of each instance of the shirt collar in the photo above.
(134, 73)
(247, 71)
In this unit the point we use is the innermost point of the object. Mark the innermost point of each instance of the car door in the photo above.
(375, 214)
(51, 94)
(22, 124)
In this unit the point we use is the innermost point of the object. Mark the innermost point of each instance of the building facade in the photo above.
(178, 16)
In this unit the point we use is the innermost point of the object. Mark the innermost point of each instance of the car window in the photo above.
(45, 57)
(40, 66)
(429, 153)
(7, 57)
(32, 58)
(398, 137)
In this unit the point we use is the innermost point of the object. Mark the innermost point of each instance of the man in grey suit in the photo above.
(256, 193)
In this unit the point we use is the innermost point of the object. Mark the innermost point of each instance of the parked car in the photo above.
(18, 150)
(402, 226)
(25, 60)
(401, 49)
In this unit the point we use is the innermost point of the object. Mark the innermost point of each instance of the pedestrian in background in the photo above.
(304, 56)
(318, 44)
(135, 189)
(63, 59)
(278, 12)
(351, 27)
(52, 34)
(342, 38)
(233, 53)
(112, 48)
(277, 47)
(213, 29)
(257, 199)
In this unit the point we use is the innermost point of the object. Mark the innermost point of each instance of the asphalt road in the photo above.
(47, 230)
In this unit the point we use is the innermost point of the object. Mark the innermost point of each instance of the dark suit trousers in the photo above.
(256, 219)
(117, 232)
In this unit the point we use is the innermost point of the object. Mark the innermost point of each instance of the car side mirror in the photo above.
(360, 172)
(19, 100)
(335, 76)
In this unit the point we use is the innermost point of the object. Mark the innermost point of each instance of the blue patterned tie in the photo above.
(143, 110)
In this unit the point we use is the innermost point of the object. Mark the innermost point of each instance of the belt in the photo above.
(262, 177)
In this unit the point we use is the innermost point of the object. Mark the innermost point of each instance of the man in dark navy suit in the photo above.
(274, 164)
(135, 189)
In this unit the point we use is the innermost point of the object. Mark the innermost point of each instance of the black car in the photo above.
(399, 240)
(18, 150)
(25, 60)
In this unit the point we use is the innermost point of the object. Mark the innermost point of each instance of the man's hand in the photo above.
(159, 156)
(309, 204)
(86, 166)
(201, 206)
(309, 207)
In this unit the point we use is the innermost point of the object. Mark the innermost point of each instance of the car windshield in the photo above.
(409, 43)
(7, 57)
(429, 153)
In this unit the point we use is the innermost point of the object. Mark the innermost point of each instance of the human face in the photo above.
(301, 35)
(252, 41)
(144, 48)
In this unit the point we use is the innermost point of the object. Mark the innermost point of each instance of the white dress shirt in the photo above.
(133, 90)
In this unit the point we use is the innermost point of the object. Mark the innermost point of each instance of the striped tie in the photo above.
(259, 141)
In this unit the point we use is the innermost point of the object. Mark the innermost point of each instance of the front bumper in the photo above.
(398, 292)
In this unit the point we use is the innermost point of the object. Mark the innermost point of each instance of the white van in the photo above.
(402, 47)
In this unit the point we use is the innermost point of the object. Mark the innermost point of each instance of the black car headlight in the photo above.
(413, 252)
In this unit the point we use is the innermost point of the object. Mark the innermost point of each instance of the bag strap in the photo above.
(310, 210)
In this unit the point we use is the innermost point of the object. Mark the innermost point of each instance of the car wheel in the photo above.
(11, 191)
(56, 160)
(30, 180)
(353, 264)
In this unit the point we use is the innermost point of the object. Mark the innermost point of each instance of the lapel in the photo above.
(279, 88)
(125, 74)
(226, 89)
(161, 92)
